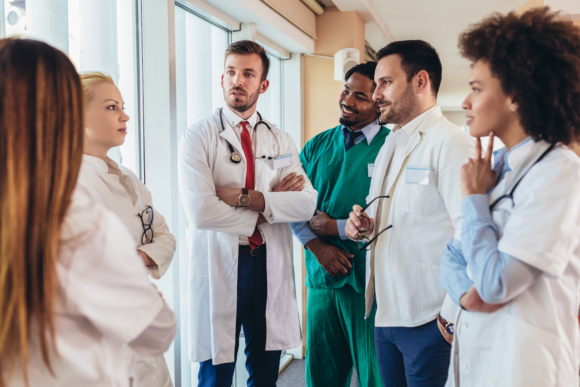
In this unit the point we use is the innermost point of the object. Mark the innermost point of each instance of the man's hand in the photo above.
(228, 195)
(146, 259)
(359, 223)
(473, 302)
(290, 183)
(261, 220)
(331, 258)
(476, 176)
(322, 225)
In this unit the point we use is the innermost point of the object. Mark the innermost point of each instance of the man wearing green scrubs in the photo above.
(339, 163)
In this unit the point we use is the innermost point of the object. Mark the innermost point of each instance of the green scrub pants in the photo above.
(338, 336)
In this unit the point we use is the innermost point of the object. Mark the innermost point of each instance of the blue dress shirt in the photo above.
(497, 277)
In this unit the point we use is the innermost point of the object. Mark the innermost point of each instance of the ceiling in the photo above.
(439, 23)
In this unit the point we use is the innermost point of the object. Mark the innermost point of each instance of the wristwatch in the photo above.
(244, 198)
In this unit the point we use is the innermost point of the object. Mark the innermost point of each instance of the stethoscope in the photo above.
(235, 158)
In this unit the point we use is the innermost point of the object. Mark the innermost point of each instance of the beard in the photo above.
(401, 110)
(348, 123)
(241, 106)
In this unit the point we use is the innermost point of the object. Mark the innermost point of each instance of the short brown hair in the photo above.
(247, 47)
(536, 57)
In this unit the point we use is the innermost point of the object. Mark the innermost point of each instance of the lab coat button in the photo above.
(465, 367)
(243, 165)
(233, 262)
(465, 325)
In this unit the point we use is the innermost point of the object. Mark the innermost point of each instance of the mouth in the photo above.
(383, 106)
(469, 119)
(123, 130)
(346, 112)
(237, 93)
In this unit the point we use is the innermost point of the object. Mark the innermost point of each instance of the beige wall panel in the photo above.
(321, 92)
(297, 13)
(337, 30)
(531, 4)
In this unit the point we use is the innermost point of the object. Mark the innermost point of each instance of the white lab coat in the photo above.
(213, 236)
(119, 189)
(403, 267)
(105, 301)
(533, 341)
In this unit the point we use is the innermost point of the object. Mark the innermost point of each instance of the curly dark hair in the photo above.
(536, 57)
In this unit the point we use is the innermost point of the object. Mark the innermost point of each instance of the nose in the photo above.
(466, 105)
(125, 117)
(377, 94)
(349, 100)
(237, 78)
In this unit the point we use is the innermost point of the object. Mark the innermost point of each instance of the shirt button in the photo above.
(465, 325)
(243, 165)
(465, 367)
(233, 262)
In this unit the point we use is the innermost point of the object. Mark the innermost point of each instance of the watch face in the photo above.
(244, 200)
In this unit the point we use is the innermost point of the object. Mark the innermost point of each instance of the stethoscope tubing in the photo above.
(235, 158)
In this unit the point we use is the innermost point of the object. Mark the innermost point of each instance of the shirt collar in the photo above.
(507, 161)
(102, 166)
(369, 131)
(411, 127)
(233, 119)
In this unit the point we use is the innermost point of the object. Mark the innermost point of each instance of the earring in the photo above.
(514, 110)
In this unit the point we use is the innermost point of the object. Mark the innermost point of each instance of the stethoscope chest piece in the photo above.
(235, 158)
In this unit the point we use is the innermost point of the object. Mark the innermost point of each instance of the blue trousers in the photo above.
(262, 365)
(413, 357)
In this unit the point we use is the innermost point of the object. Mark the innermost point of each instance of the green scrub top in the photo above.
(342, 180)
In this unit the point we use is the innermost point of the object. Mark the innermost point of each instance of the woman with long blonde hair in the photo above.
(121, 191)
(67, 306)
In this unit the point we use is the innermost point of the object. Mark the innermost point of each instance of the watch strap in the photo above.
(245, 191)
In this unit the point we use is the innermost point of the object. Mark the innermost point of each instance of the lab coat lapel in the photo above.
(230, 136)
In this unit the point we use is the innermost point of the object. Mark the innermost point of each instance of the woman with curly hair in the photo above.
(516, 270)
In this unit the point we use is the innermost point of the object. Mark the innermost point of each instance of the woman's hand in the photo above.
(476, 176)
(146, 259)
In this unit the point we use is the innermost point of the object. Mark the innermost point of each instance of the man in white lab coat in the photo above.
(417, 211)
(242, 183)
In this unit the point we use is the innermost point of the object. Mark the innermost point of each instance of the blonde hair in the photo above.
(90, 79)
(41, 148)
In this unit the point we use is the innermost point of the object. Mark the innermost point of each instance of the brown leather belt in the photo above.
(446, 328)
(257, 252)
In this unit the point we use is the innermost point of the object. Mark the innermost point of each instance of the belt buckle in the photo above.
(254, 252)
(450, 327)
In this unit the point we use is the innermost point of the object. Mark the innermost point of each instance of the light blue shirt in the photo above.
(498, 277)
(302, 229)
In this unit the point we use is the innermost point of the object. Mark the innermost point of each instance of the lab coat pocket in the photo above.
(429, 294)
(417, 197)
(524, 354)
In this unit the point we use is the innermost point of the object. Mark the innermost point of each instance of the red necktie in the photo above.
(256, 238)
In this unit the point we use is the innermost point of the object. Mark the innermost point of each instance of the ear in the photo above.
(422, 82)
(264, 86)
(222, 81)
(513, 105)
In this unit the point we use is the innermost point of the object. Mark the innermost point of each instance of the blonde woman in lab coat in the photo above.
(73, 291)
(119, 189)
(516, 270)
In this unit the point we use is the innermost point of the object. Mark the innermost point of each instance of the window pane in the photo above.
(97, 36)
(270, 103)
(199, 48)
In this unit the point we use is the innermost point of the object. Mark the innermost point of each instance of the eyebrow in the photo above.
(474, 82)
(383, 78)
(107, 100)
(249, 69)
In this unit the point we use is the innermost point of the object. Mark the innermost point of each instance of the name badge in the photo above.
(418, 175)
(371, 169)
(282, 161)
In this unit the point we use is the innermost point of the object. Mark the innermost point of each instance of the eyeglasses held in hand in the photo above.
(364, 243)
(146, 221)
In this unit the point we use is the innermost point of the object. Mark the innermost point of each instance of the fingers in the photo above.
(343, 257)
(295, 183)
(489, 148)
(351, 230)
(288, 177)
(478, 148)
(357, 209)
(354, 219)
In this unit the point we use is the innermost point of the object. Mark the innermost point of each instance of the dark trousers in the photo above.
(262, 365)
(413, 357)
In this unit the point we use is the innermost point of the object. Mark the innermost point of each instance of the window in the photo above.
(97, 36)
(270, 103)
